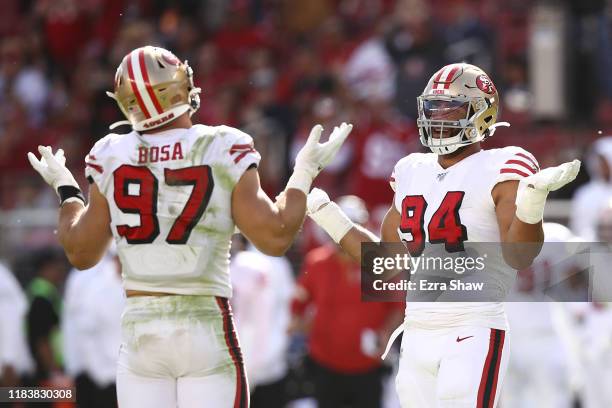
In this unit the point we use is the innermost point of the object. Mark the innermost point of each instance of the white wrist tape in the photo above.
(301, 180)
(530, 204)
(335, 222)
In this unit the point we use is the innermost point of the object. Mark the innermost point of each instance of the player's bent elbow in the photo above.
(274, 246)
(80, 260)
(275, 250)
(517, 260)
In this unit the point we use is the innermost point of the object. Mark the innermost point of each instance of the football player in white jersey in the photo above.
(454, 354)
(170, 193)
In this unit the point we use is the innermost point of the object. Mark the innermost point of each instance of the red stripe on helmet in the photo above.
(450, 76)
(145, 77)
(437, 78)
(143, 108)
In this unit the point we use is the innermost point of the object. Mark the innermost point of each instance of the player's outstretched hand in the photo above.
(533, 190)
(553, 178)
(52, 167)
(314, 156)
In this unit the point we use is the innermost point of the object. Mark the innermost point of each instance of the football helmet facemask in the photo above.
(153, 87)
(458, 107)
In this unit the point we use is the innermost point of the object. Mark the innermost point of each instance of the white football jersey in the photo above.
(169, 196)
(451, 206)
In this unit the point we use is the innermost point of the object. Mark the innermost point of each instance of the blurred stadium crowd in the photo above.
(273, 68)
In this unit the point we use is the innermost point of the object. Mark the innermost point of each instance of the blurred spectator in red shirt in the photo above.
(239, 36)
(66, 28)
(346, 336)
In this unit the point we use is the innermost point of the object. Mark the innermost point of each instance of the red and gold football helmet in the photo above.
(152, 88)
(458, 107)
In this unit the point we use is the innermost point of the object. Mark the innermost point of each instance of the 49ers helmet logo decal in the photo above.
(170, 58)
(485, 84)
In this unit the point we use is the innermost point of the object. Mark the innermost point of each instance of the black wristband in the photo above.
(66, 192)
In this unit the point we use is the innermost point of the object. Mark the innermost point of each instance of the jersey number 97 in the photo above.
(144, 203)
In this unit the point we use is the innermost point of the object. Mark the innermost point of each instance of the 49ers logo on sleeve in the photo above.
(485, 84)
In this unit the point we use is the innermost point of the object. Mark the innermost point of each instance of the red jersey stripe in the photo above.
(522, 163)
(241, 155)
(96, 167)
(241, 146)
(244, 149)
(515, 171)
(531, 160)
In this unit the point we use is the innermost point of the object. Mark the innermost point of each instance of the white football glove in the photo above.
(53, 170)
(314, 156)
(328, 214)
(533, 190)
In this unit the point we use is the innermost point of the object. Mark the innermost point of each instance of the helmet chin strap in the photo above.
(493, 127)
(120, 123)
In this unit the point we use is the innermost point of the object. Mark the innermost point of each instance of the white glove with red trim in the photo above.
(314, 156)
(533, 190)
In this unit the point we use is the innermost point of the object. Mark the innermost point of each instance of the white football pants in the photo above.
(180, 351)
(460, 367)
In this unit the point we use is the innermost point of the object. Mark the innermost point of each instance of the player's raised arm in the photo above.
(272, 226)
(519, 207)
(84, 231)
